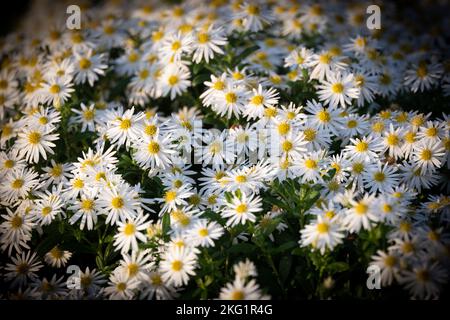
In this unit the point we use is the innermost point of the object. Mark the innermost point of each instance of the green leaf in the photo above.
(242, 248)
(61, 227)
(197, 67)
(228, 197)
(166, 224)
(337, 267)
(248, 51)
(200, 79)
(297, 251)
(285, 247)
(285, 267)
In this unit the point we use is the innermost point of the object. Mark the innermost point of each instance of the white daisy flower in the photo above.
(322, 234)
(177, 265)
(241, 210)
(129, 232)
(339, 89)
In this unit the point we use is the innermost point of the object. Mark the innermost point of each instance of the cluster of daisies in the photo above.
(201, 102)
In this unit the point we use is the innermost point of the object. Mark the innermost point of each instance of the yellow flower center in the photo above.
(323, 227)
(153, 147)
(176, 45)
(423, 275)
(121, 286)
(17, 184)
(54, 89)
(143, 74)
(43, 120)
(387, 208)
(324, 116)
(253, 10)
(173, 80)
(237, 295)
(352, 124)
(133, 269)
(287, 146)
(6, 130)
(241, 179)
(194, 200)
(8, 164)
(156, 280)
(157, 35)
(390, 261)
(215, 147)
(3, 84)
(362, 146)
(230, 97)
(405, 226)
(258, 99)
(378, 126)
(34, 137)
(431, 132)
(219, 85)
(330, 214)
(56, 253)
(177, 183)
(117, 202)
(385, 79)
(410, 137)
(392, 139)
(125, 124)
(426, 154)
(325, 58)
(46, 211)
(361, 208)
(284, 128)
(310, 164)
(270, 112)
(417, 121)
(212, 199)
(87, 204)
(422, 71)
(203, 37)
(109, 30)
(170, 196)
(177, 265)
(337, 88)
(133, 57)
(23, 268)
(242, 208)
(379, 176)
(84, 63)
(150, 130)
(16, 222)
(238, 76)
(88, 115)
(129, 229)
(358, 167)
(407, 247)
(85, 281)
(203, 232)
(310, 134)
(78, 183)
